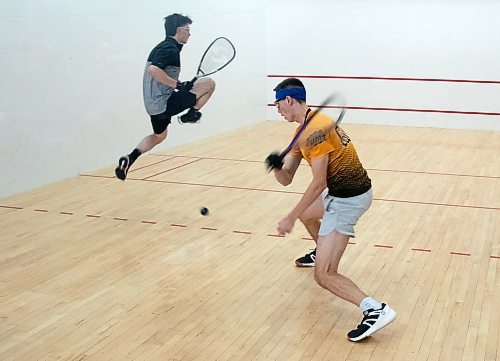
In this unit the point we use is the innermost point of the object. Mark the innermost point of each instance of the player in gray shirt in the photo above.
(164, 95)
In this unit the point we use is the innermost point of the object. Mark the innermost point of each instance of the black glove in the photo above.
(274, 161)
(184, 86)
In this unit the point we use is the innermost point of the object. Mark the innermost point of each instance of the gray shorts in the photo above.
(342, 214)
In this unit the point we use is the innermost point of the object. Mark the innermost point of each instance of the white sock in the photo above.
(368, 303)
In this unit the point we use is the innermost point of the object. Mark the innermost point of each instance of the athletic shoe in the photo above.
(308, 260)
(373, 321)
(192, 116)
(123, 166)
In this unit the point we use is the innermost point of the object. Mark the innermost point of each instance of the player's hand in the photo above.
(274, 161)
(285, 226)
(184, 86)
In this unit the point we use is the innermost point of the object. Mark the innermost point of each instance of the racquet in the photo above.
(218, 55)
(274, 160)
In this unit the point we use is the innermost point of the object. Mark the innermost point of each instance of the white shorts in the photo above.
(342, 214)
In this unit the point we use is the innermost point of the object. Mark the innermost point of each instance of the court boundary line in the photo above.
(369, 169)
(389, 78)
(292, 192)
(241, 232)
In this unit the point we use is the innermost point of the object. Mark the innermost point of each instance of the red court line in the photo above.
(168, 170)
(247, 232)
(404, 110)
(216, 186)
(420, 110)
(298, 193)
(242, 232)
(432, 173)
(211, 158)
(460, 253)
(437, 204)
(290, 192)
(370, 169)
(10, 207)
(385, 78)
(149, 165)
(421, 249)
(178, 225)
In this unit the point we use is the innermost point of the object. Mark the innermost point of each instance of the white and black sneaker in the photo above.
(191, 116)
(309, 260)
(373, 321)
(123, 166)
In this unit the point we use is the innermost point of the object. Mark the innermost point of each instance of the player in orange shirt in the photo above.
(335, 166)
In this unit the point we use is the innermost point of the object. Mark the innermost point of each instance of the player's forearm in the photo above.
(283, 176)
(160, 76)
(287, 172)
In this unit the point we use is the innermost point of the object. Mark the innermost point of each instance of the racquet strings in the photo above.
(218, 55)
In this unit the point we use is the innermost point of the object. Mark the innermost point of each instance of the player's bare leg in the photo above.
(310, 218)
(150, 141)
(330, 249)
(146, 144)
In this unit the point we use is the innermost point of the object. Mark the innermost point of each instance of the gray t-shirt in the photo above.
(166, 56)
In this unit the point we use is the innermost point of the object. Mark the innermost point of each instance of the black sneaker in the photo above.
(309, 260)
(373, 321)
(123, 166)
(192, 116)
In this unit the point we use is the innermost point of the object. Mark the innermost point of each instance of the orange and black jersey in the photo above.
(346, 176)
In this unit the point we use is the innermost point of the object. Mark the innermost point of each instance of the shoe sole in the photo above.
(298, 264)
(120, 170)
(390, 316)
(181, 122)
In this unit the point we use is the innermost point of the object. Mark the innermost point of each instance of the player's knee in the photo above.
(320, 278)
(324, 277)
(210, 84)
(207, 83)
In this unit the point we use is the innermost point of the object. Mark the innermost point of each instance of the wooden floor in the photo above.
(92, 268)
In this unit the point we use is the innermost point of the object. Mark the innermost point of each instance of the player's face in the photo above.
(183, 34)
(284, 109)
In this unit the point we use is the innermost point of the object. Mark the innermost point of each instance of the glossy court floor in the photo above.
(92, 268)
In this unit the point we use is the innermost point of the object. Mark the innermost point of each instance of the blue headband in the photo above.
(296, 93)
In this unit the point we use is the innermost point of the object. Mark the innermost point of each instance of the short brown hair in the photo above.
(174, 21)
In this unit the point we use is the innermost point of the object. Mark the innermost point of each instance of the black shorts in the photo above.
(178, 102)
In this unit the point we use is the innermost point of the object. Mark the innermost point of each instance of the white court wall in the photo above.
(432, 39)
(71, 70)
(71, 80)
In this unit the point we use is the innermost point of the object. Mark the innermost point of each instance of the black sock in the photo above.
(134, 155)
